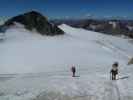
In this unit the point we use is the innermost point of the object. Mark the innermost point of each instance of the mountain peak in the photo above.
(35, 20)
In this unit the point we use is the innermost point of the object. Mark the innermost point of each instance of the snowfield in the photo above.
(33, 67)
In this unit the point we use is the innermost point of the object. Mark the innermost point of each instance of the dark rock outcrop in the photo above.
(130, 61)
(34, 20)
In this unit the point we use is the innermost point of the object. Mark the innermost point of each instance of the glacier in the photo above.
(33, 67)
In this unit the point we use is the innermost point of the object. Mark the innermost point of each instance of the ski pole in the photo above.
(110, 76)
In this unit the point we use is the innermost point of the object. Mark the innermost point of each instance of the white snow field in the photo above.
(35, 67)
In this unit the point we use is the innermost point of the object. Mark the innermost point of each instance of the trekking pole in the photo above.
(110, 76)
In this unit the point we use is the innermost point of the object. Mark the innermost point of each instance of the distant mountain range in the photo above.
(107, 26)
(33, 21)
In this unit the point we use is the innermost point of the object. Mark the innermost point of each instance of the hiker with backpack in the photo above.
(114, 70)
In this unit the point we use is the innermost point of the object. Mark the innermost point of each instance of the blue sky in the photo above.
(69, 8)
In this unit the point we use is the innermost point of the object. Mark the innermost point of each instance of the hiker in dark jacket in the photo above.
(73, 69)
(114, 70)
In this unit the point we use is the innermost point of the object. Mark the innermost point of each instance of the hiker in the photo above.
(73, 69)
(114, 70)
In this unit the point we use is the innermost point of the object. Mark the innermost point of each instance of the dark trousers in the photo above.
(113, 76)
(73, 73)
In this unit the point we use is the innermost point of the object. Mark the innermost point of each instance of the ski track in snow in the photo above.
(91, 52)
(110, 47)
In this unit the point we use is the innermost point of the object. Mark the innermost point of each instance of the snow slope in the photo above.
(38, 68)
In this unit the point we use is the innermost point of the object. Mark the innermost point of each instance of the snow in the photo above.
(3, 20)
(35, 67)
